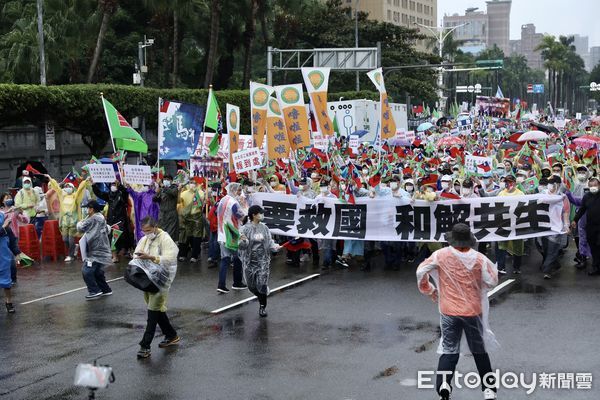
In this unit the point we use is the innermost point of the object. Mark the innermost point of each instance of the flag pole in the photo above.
(159, 136)
(107, 122)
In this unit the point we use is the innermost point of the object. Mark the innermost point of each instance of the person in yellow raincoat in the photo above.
(70, 202)
(191, 222)
(516, 248)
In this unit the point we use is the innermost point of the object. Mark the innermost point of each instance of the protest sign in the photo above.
(247, 160)
(101, 173)
(210, 168)
(137, 174)
(478, 165)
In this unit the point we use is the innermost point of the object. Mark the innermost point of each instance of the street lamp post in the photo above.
(142, 69)
(438, 32)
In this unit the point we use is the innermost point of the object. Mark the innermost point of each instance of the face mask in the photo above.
(556, 173)
(581, 177)
(27, 186)
(273, 184)
(457, 188)
(68, 190)
(542, 188)
(520, 179)
(113, 188)
(9, 203)
(250, 189)
(486, 182)
(193, 186)
(151, 236)
(445, 185)
(593, 189)
(552, 187)
(260, 216)
(429, 189)
(465, 191)
(410, 188)
(502, 185)
(301, 188)
(394, 185)
(383, 185)
(166, 183)
(213, 193)
(501, 172)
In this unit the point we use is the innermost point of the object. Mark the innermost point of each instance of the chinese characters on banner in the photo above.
(259, 98)
(247, 160)
(179, 128)
(137, 174)
(233, 130)
(317, 81)
(392, 219)
(210, 168)
(478, 165)
(295, 116)
(277, 139)
(320, 142)
(387, 124)
(101, 173)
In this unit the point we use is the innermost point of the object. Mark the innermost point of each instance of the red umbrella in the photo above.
(587, 141)
(450, 141)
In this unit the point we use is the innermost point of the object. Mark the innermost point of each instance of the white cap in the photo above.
(446, 178)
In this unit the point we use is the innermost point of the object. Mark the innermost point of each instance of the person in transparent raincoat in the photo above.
(461, 279)
(255, 246)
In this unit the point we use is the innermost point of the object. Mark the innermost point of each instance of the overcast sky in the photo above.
(555, 17)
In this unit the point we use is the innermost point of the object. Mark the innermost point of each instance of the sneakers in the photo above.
(169, 342)
(222, 290)
(68, 259)
(502, 271)
(182, 259)
(516, 271)
(445, 391)
(92, 296)
(10, 308)
(106, 293)
(489, 394)
(239, 286)
(343, 263)
(547, 276)
(193, 260)
(143, 353)
(262, 312)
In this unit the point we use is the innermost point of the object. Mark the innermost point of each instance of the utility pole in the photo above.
(42, 55)
(438, 32)
(142, 69)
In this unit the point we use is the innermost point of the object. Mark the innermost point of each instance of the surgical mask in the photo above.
(365, 171)
(429, 189)
(27, 186)
(501, 171)
(445, 185)
(9, 203)
(394, 185)
(593, 189)
(486, 182)
(581, 177)
(465, 191)
(273, 184)
(166, 183)
(552, 187)
(457, 188)
(520, 179)
(409, 188)
(323, 189)
(301, 188)
(502, 185)
(68, 190)
(556, 173)
(113, 188)
(192, 186)
(260, 216)
(250, 189)
(151, 235)
(542, 188)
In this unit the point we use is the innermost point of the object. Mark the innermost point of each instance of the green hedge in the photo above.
(79, 109)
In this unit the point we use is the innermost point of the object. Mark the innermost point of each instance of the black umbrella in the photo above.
(442, 121)
(544, 128)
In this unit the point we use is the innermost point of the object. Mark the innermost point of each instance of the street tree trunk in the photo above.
(215, 16)
(108, 7)
(249, 35)
(175, 49)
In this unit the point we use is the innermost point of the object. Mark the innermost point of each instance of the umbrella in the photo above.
(424, 126)
(544, 128)
(587, 141)
(441, 121)
(450, 141)
(533, 135)
(509, 145)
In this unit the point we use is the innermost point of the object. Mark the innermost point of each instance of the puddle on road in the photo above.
(518, 287)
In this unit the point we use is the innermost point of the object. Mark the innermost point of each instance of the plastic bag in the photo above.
(160, 276)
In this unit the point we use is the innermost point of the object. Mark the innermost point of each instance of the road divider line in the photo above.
(66, 292)
(500, 287)
(277, 289)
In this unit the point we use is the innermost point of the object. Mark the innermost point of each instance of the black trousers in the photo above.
(154, 318)
(593, 239)
(262, 299)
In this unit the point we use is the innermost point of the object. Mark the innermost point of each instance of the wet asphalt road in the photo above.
(344, 335)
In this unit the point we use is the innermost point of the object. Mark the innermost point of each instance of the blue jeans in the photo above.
(93, 276)
(213, 246)
(226, 256)
(38, 222)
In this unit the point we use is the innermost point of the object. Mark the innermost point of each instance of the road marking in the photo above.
(66, 292)
(249, 299)
(500, 287)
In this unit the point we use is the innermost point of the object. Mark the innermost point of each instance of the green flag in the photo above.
(125, 137)
(26, 261)
(232, 236)
(213, 114)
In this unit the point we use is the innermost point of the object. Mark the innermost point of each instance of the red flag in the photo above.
(319, 153)
(32, 170)
(485, 167)
(448, 195)
(375, 180)
(294, 245)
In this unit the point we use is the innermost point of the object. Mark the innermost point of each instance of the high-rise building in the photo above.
(498, 12)
(400, 12)
(594, 57)
(530, 40)
(581, 44)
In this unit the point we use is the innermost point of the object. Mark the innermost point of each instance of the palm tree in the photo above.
(108, 8)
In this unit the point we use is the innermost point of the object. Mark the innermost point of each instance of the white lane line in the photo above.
(500, 287)
(249, 299)
(63, 293)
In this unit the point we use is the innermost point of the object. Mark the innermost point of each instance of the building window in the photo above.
(404, 19)
(427, 10)
(419, 7)
(412, 6)
(396, 17)
(397, 3)
(389, 15)
(412, 19)
(420, 20)
(404, 3)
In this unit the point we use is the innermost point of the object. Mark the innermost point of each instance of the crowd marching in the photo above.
(178, 215)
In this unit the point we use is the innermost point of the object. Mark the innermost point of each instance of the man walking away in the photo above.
(462, 278)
